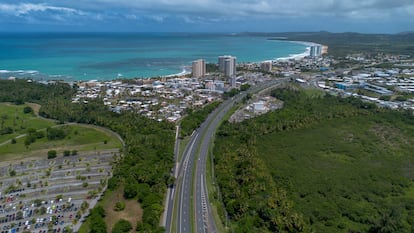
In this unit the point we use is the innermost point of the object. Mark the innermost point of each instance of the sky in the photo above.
(366, 16)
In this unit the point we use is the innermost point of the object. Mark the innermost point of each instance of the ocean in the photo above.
(107, 56)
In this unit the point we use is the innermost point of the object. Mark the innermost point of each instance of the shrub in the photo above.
(66, 153)
(55, 133)
(119, 206)
(51, 154)
(27, 110)
(122, 226)
(12, 173)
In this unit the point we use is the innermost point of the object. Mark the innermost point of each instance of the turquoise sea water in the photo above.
(104, 56)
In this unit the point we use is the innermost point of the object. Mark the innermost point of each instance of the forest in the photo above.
(148, 154)
(321, 164)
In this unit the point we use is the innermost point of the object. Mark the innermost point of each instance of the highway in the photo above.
(191, 190)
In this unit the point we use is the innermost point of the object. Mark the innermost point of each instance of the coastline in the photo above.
(184, 72)
(298, 56)
(185, 69)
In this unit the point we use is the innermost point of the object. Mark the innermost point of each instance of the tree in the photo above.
(55, 133)
(27, 110)
(66, 153)
(130, 190)
(401, 98)
(122, 226)
(12, 173)
(385, 97)
(51, 154)
(97, 221)
(19, 215)
(99, 210)
(98, 225)
(244, 87)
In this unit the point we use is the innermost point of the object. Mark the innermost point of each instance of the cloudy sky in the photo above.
(371, 16)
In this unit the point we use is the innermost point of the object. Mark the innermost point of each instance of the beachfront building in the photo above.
(324, 49)
(199, 68)
(315, 50)
(266, 66)
(227, 65)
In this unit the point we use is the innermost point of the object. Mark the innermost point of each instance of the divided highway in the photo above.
(193, 213)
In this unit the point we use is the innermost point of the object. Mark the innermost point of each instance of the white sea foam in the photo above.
(182, 73)
(300, 55)
(19, 71)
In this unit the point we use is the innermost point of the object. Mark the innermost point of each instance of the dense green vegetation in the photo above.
(212, 67)
(195, 117)
(122, 226)
(148, 154)
(97, 222)
(21, 91)
(322, 164)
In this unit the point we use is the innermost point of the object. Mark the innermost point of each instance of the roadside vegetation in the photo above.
(144, 170)
(195, 117)
(321, 164)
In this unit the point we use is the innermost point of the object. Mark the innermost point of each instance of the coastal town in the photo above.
(167, 98)
(207, 116)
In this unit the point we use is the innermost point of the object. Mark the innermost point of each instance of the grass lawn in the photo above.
(78, 138)
(132, 212)
(12, 116)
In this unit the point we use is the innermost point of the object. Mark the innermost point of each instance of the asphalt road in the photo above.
(192, 190)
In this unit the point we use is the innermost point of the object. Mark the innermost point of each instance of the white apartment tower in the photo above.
(315, 51)
(227, 65)
(199, 68)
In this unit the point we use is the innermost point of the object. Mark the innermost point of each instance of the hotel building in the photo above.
(227, 65)
(199, 68)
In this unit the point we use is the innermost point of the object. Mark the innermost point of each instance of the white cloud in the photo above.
(207, 12)
(219, 8)
(26, 8)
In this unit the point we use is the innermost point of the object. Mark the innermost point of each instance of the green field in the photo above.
(338, 165)
(77, 137)
(12, 116)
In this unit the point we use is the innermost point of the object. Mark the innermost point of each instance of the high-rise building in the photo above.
(315, 50)
(324, 49)
(233, 80)
(227, 65)
(199, 68)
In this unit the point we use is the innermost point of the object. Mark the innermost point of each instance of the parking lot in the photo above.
(51, 195)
